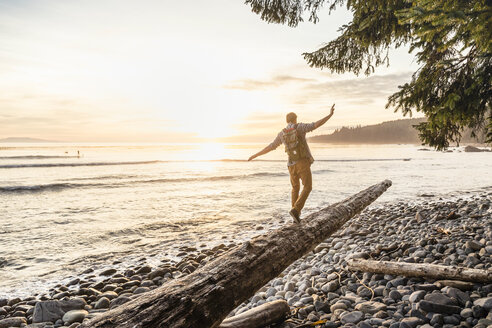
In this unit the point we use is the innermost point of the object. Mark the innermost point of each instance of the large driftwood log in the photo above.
(205, 297)
(260, 316)
(433, 271)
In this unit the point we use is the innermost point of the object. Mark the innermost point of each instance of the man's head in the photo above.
(291, 118)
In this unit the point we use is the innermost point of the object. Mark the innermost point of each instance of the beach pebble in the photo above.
(13, 301)
(485, 303)
(462, 285)
(351, 317)
(427, 306)
(410, 322)
(330, 287)
(102, 303)
(13, 322)
(74, 316)
(439, 299)
(370, 307)
(108, 272)
(53, 310)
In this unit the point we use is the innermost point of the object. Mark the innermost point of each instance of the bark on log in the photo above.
(260, 316)
(433, 271)
(205, 297)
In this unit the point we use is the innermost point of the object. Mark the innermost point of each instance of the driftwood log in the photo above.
(260, 316)
(433, 271)
(205, 297)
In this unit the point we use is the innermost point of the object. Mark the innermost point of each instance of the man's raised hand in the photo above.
(332, 110)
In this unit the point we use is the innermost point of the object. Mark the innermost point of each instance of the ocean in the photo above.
(115, 203)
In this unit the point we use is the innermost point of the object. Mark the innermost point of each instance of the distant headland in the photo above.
(24, 139)
(390, 132)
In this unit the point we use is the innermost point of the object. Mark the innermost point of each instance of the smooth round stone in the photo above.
(338, 306)
(370, 307)
(307, 300)
(420, 254)
(108, 272)
(485, 302)
(351, 317)
(410, 322)
(330, 287)
(13, 322)
(312, 317)
(378, 291)
(473, 245)
(290, 287)
(439, 299)
(271, 292)
(255, 299)
(451, 320)
(103, 303)
(466, 313)
(338, 245)
(397, 282)
(147, 283)
(108, 294)
(74, 316)
(364, 324)
(478, 311)
(394, 295)
(280, 294)
(437, 319)
(416, 296)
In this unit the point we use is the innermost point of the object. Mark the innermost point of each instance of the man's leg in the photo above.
(294, 181)
(304, 172)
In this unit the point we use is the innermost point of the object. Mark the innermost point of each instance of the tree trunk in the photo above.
(205, 297)
(260, 316)
(433, 271)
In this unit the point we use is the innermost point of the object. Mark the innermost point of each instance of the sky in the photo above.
(174, 71)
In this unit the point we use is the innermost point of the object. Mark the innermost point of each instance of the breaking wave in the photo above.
(62, 186)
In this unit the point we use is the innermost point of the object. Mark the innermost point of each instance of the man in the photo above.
(300, 158)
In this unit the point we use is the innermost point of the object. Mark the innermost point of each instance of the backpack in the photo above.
(294, 147)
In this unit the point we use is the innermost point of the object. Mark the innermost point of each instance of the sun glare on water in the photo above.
(208, 152)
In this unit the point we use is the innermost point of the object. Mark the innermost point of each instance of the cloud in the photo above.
(275, 81)
(356, 91)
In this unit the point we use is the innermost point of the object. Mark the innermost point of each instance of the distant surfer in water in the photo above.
(293, 136)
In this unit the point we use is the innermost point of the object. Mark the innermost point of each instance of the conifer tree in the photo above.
(452, 43)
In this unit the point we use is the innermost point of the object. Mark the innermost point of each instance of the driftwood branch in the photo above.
(205, 297)
(433, 271)
(260, 316)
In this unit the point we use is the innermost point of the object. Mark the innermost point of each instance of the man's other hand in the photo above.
(332, 110)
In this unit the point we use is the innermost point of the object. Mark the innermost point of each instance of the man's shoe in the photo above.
(295, 215)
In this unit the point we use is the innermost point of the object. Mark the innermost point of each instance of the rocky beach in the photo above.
(319, 288)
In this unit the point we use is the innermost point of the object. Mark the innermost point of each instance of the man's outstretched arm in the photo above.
(319, 123)
(265, 150)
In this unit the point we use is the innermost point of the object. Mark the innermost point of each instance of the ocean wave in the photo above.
(45, 187)
(15, 166)
(62, 186)
(42, 165)
(323, 171)
(104, 177)
(34, 157)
